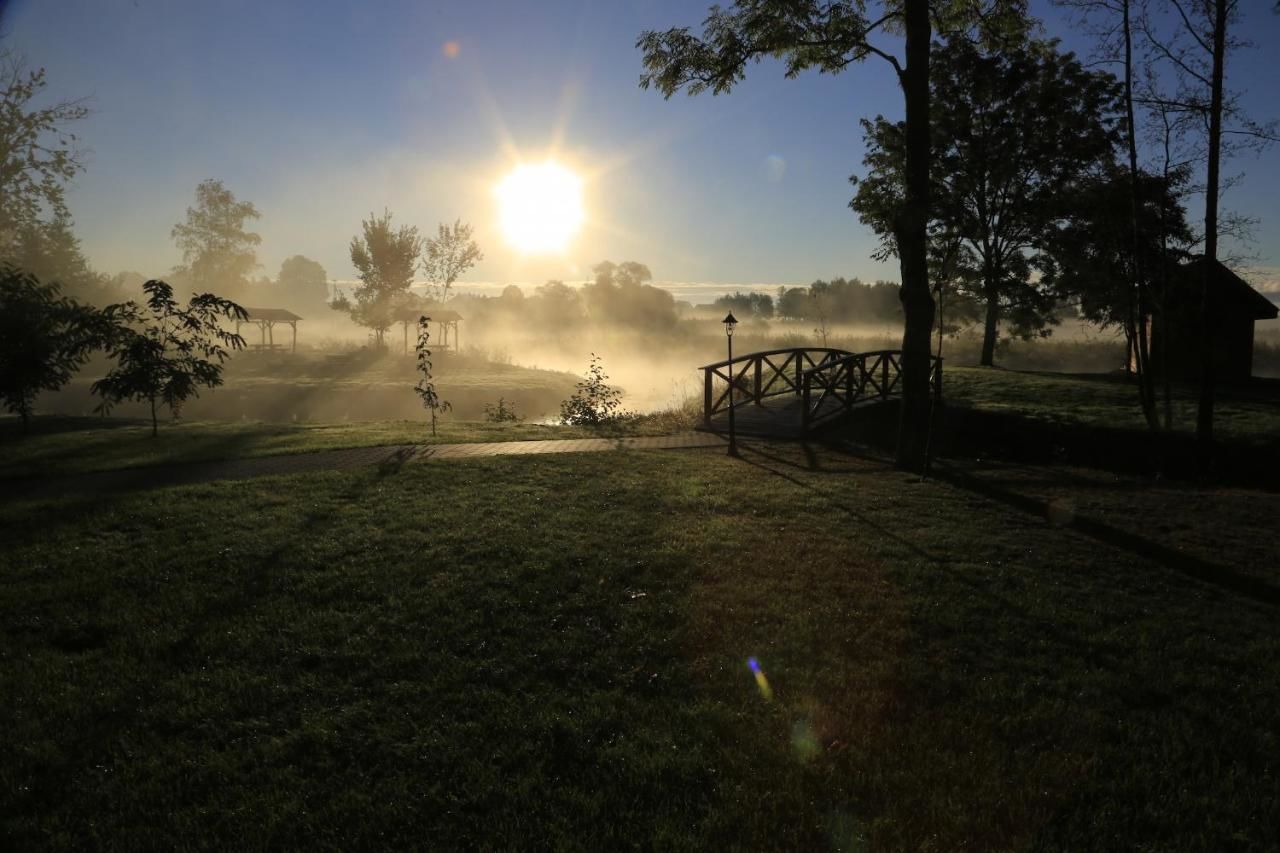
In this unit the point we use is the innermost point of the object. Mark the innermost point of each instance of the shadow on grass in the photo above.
(1188, 565)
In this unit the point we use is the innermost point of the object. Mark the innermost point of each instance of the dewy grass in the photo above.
(59, 446)
(552, 653)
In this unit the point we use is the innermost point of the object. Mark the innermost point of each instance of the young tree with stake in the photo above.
(426, 387)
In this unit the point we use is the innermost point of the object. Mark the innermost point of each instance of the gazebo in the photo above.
(265, 319)
(1175, 334)
(442, 318)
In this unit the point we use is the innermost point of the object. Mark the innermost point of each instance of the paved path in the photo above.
(131, 479)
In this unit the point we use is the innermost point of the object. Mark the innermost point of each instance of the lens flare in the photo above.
(761, 682)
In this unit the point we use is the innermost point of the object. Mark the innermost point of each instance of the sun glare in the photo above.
(540, 207)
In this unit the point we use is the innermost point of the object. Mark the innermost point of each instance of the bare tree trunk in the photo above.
(1208, 371)
(155, 427)
(912, 238)
(1146, 388)
(991, 329)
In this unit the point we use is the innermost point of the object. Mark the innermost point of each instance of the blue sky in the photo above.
(321, 112)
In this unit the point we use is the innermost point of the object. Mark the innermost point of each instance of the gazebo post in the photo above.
(271, 334)
(262, 329)
(294, 325)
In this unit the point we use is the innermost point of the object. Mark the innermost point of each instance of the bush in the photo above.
(595, 402)
(503, 412)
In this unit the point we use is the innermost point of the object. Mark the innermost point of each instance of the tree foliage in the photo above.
(218, 253)
(829, 37)
(757, 305)
(302, 282)
(1089, 256)
(385, 259)
(1013, 131)
(51, 252)
(448, 255)
(165, 352)
(622, 296)
(44, 339)
(38, 153)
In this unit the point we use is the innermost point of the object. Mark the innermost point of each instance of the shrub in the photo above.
(502, 412)
(595, 402)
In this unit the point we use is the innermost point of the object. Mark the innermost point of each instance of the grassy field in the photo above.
(1249, 415)
(342, 386)
(552, 653)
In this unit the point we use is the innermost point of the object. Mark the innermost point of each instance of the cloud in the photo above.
(1263, 279)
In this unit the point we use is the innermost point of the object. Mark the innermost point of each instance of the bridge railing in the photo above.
(829, 381)
(852, 379)
(756, 376)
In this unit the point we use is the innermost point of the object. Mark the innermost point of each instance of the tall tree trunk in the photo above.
(1146, 388)
(912, 238)
(1208, 317)
(155, 427)
(991, 329)
(26, 419)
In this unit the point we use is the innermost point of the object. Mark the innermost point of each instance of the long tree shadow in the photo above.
(1214, 574)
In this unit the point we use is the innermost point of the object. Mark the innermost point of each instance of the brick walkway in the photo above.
(133, 479)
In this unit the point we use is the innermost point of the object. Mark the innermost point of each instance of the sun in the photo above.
(540, 207)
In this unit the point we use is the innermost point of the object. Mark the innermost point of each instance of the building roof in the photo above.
(1230, 289)
(272, 315)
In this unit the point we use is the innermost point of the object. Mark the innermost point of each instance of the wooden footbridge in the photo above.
(794, 393)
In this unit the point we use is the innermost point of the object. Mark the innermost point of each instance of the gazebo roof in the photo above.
(272, 315)
(437, 315)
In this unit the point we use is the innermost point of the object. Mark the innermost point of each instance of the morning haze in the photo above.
(772, 426)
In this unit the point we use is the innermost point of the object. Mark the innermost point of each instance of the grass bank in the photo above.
(68, 445)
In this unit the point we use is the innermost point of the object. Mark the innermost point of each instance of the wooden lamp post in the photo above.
(729, 323)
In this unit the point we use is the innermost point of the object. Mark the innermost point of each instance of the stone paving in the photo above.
(131, 479)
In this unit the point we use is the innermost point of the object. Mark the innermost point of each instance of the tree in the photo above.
(622, 295)
(51, 252)
(217, 252)
(303, 281)
(448, 255)
(165, 353)
(1196, 53)
(759, 305)
(384, 258)
(1090, 254)
(1013, 131)
(426, 386)
(830, 37)
(38, 154)
(44, 339)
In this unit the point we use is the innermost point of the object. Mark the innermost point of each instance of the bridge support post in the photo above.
(884, 376)
(755, 397)
(706, 397)
(804, 406)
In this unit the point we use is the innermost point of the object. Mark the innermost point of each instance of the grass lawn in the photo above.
(69, 445)
(1248, 415)
(552, 653)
